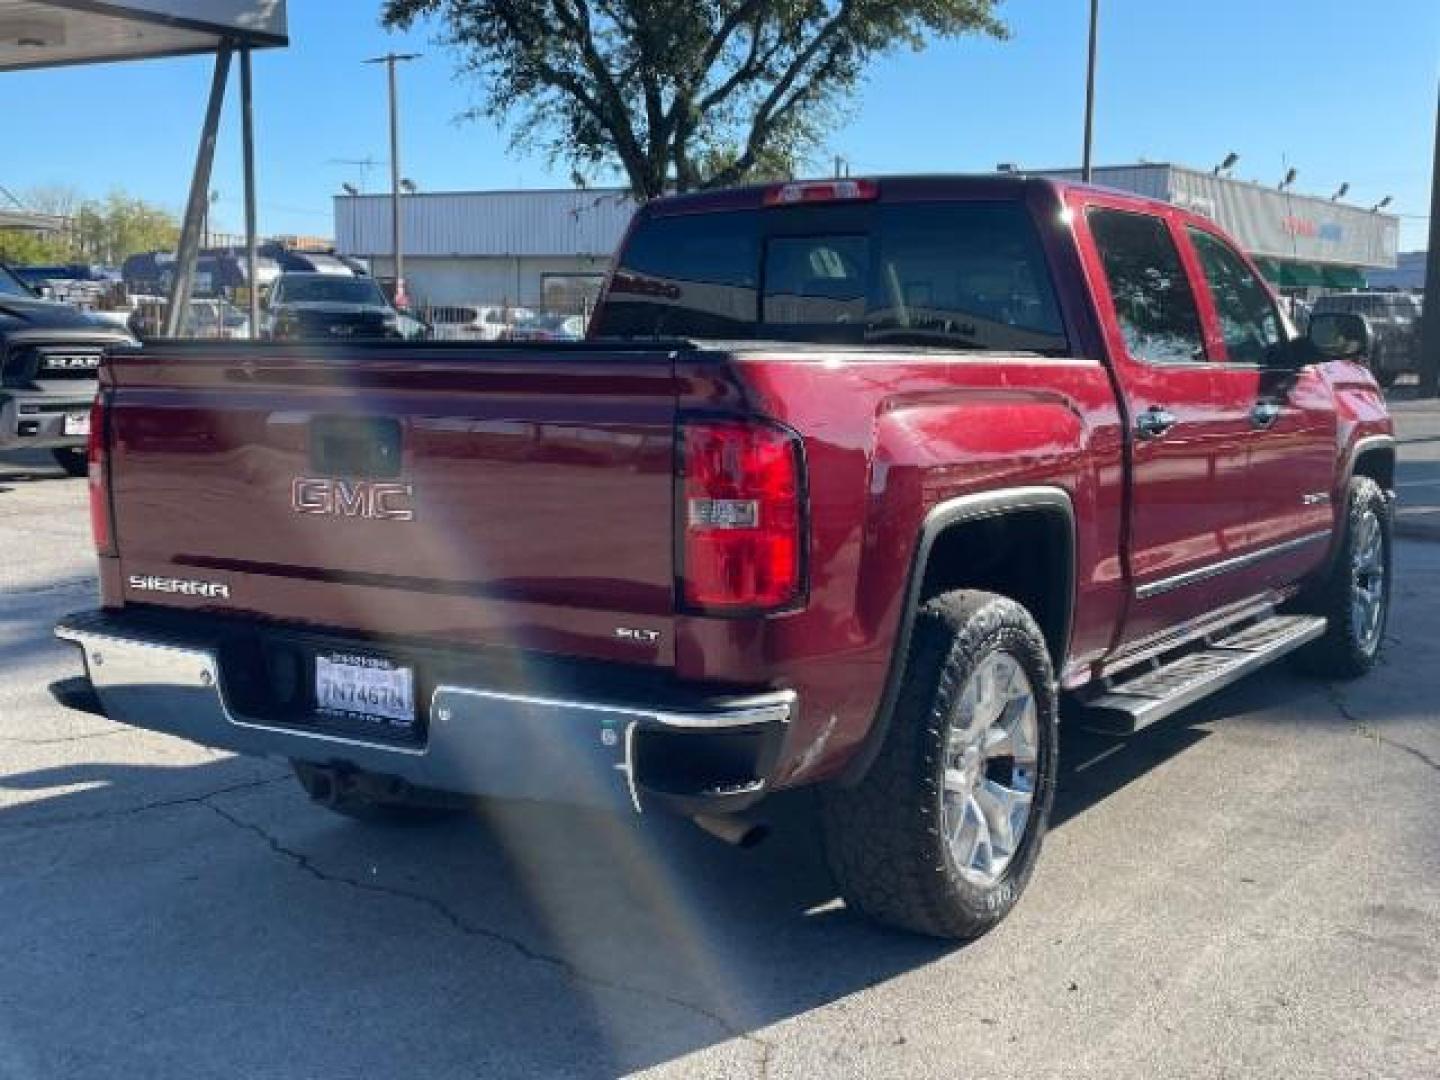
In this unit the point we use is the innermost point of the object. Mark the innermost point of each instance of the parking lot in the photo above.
(1249, 889)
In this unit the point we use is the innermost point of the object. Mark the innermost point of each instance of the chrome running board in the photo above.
(1166, 685)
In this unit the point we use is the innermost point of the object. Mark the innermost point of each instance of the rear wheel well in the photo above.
(1378, 464)
(1025, 554)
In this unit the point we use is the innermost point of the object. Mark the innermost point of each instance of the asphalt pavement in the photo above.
(1417, 480)
(1251, 889)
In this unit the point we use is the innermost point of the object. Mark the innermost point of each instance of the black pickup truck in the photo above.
(49, 355)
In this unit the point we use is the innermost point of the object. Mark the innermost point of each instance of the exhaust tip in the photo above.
(737, 832)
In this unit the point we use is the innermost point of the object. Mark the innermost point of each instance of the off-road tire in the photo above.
(882, 836)
(1340, 653)
(72, 459)
(367, 803)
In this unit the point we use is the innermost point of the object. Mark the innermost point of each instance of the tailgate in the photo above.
(511, 497)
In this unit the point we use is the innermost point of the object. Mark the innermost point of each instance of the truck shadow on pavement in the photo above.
(28, 466)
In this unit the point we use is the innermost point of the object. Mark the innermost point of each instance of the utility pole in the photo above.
(390, 60)
(1430, 320)
(1086, 173)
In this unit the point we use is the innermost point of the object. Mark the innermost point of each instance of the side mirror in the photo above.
(1341, 335)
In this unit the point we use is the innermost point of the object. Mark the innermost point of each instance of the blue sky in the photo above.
(1341, 92)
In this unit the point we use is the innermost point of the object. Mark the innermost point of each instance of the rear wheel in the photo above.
(1355, 598)
(374, 799)
(72, 459)
(944, 831)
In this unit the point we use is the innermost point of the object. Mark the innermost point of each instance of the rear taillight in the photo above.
(97, 456)
(741, 518)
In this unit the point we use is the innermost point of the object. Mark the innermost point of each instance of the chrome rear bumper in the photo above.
(478, 740)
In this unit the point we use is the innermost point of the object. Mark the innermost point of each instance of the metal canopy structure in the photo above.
(49, 33)
(54, 33)
(24, 221)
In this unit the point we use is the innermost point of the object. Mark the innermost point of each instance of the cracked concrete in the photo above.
(1336, 697)
(461, 924)
(1222, 895)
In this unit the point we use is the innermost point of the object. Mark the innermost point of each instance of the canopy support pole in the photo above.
(199, 200)
(252, 243)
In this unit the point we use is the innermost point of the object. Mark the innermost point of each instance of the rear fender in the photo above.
(953, 514)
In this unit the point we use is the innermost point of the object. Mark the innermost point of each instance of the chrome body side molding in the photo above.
(1227, 566)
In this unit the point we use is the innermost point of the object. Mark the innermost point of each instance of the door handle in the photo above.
(1264, 414)
(1154, 422)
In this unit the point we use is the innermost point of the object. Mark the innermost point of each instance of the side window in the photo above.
(1248, 319)
(1152, 295)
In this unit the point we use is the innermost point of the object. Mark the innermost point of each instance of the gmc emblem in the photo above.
(352, 498)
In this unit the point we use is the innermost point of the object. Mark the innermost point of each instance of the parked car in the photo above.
(80, 284)
(215, 318)
(1394, 319)
(547, 328)
(313, 262)
(330, 306)
(855, 482)
(49, 356)
(208, 317)
(455, 322)
(216, 271)
(476, 322)
(38, 276)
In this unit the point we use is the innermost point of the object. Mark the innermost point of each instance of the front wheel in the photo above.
(1355, 596)
(942, 834)
(72, 459)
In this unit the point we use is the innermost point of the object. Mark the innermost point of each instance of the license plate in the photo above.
(366, 689)
(77, 423)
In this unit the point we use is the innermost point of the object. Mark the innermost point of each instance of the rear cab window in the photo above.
(957, 274)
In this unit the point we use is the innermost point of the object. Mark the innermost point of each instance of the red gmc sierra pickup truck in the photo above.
(852, 485)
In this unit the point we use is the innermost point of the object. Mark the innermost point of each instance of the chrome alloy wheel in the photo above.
(991, 761)
(1367, 573)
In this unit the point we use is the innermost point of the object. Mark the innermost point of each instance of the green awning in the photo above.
(1271, 269)
(1344, 277)
(1298, 274)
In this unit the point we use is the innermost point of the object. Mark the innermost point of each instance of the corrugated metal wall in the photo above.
(432, 279)
(1152, 181)
(487, 223)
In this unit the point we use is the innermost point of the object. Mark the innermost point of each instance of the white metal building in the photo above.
(1301, 242)
(541, 248)
(550, 248)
